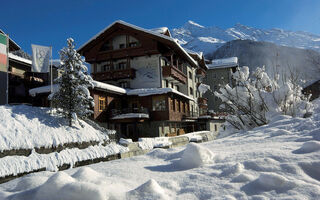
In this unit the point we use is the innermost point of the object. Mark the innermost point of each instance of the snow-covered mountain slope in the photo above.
(277, 59)
(207, 39)
(280, 160)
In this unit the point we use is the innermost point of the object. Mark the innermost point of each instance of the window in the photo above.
(183, 107)
(178, 105)
(106, 46)
(215, 128)
(190, 75)
(167, 83)
(107, 67)
(171, 104)
(214, 75)
(177, 88)
(172, 86)
(124, 84)
(133, 44)
(122, 46)
(158, 103)
(122, 65)
(191, 91)
(102, 103)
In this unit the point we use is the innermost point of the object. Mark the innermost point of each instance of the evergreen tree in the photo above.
(73, 99)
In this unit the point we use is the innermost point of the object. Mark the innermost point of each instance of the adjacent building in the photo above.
(219, 73)
(18, 78)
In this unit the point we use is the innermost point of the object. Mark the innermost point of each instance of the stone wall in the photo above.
(134, 150)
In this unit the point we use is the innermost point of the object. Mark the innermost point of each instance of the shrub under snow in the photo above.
(255, 100)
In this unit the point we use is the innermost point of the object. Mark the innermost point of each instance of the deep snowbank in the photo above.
(26, 127)
(277, 161)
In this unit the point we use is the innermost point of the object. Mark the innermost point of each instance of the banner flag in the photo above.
(40, 58)
(3, 53)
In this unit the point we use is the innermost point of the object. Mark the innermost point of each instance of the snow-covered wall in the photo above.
(147, 72)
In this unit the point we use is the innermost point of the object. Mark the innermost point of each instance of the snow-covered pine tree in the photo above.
(73, 99)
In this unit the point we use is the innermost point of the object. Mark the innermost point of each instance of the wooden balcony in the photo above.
(114, 75)
(201, 72)
(174, 73)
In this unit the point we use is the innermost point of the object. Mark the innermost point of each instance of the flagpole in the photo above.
(51, 87)
(7, 95)
(51, 72)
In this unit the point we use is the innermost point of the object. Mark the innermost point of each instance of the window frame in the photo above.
(102, 103)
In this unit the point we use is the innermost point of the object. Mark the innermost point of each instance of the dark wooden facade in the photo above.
(313, 89)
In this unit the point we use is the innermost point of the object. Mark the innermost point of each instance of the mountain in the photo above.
(286, 61)
(207, 39)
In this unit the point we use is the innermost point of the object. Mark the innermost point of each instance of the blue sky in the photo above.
(52, 22)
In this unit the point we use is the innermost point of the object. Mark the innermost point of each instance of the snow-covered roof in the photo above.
(18, 58)
(44, 89)
(143, 30)
(131, 115)
(98, 85)
(199, 54)
(224, 62)
(114, 89)
(155, 91)
(161, 30)
(108, 87)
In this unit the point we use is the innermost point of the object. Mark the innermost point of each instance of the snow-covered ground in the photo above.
(277, 161)
(26, 127)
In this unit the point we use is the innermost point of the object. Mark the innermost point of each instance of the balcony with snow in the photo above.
(130, 114)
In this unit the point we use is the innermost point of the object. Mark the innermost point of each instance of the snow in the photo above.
(194, 156)
(155, 91)
(149, 190)
(98, 85)
(131, 115)
(224, 62)
(18, 58)
(255, 164)
(199, 38)
(151, 143)
(195, 24)
(19, 164)
(26, 127)
(108, 87)
(125, 142)
(203, 88)
(161, 30)
(44, 89)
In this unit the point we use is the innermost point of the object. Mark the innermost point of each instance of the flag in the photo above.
(3, 53)
(40, 58)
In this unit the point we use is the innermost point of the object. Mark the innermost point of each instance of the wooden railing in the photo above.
(114, 74)
(171, 71)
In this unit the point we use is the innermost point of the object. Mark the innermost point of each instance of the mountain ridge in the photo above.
(207, 39)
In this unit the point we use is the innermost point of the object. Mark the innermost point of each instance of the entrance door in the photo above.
(132, 132)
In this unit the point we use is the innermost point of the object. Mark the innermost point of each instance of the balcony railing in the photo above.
(190, 114)
(114, 74)
(115, 112)
(175, 73)
(200, 72)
